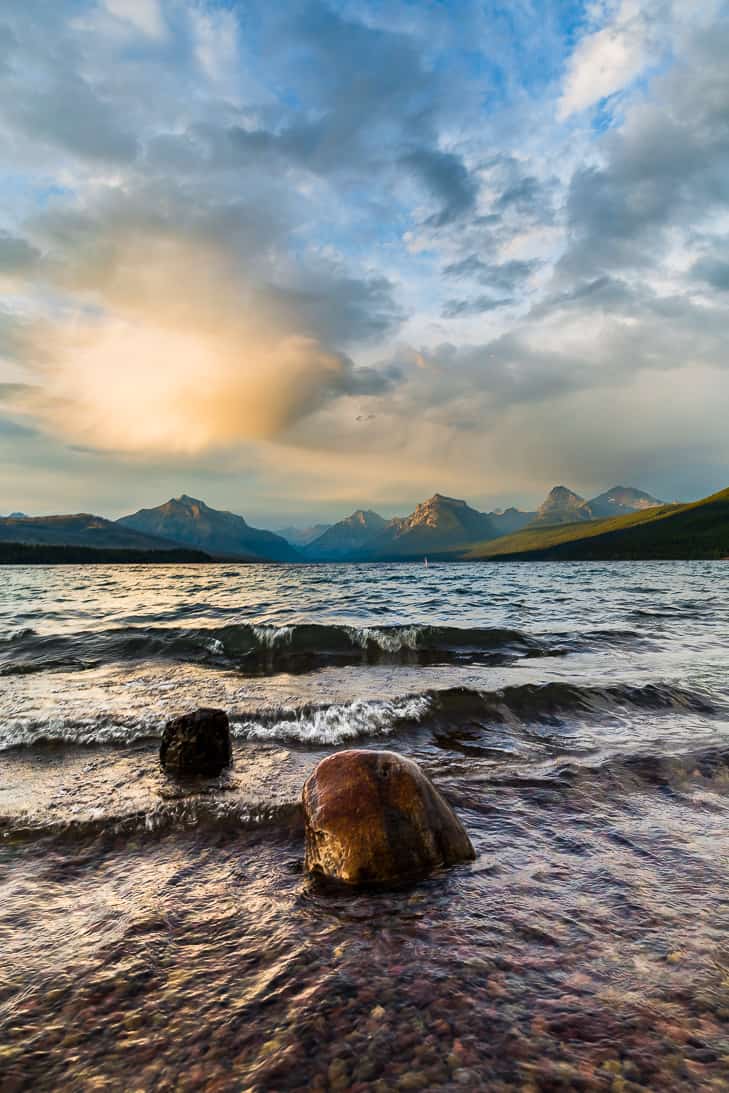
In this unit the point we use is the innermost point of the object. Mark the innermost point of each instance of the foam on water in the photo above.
(335, 724)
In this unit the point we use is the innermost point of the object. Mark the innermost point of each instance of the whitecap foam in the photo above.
(271, 636)
(390, 641)
(334, 724)
(99, 729)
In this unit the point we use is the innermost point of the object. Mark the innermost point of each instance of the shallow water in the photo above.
(158, 936)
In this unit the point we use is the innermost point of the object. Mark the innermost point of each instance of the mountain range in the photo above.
(564, 506)
(301, 537)
(190, 522)
(441, 527)
(79, 530)
(696, 530)
(448, 525)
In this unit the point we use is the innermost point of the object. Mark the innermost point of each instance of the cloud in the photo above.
(447, 178)
(606, 60)
(713, 272)
(49, 95)
(662, 175)
(173, 338)
(216, 43)
(144, 15)
(476, 306)
(232, 230)
(498, 276)
(145, 388)
(16, 255)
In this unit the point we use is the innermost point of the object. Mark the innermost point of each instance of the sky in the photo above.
(302, 257)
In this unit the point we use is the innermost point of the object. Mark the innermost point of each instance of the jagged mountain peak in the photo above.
(561, 494)
(563, 506)
(365, 517)
(444, 499)
(621, 500)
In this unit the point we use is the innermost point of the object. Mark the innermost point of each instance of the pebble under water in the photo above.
(157, 935)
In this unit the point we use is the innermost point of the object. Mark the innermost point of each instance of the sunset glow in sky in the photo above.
(299, 257)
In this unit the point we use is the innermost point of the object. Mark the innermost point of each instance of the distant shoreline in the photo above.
(46, 554)
(23, 554)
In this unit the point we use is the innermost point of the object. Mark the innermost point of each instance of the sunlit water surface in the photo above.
(158, 936)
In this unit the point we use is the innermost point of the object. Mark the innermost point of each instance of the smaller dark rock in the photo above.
(197, 743)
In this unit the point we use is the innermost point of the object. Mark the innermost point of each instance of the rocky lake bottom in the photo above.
(158, 935)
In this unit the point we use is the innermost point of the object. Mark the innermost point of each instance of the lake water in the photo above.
(157, 936)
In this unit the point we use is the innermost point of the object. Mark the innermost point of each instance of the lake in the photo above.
(158, 936)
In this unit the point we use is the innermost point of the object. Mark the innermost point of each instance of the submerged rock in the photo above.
(373, 817)
(197, 743)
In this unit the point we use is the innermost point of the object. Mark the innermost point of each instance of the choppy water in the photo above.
(163, 937)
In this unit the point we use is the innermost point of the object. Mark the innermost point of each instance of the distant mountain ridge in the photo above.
(621, 500)
(510, 520)
(438, 524)
(442, 526)
(78, 530)
(564, 506)
(347, 537)
(696, 530)
(301, 537)
(189, 522)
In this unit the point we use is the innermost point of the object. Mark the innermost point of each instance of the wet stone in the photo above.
(373, 817)
(197, 743)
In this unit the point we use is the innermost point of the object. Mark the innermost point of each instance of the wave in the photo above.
(681, 771)
(334, 724)
(451, 709)
(556, 701)
(266, 648)
(444, 711)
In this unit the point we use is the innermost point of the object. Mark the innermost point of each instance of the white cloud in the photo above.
(145, 15)
(606, 60)
(216, 43)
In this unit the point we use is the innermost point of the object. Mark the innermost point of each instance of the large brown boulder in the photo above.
(373, 817)
(196, 743)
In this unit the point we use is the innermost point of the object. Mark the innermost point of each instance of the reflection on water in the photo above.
(163, 937)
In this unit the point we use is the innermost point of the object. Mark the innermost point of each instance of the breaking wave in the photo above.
(554, 704)
(264, 648)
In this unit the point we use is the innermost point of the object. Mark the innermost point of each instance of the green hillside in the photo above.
(697, 530)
